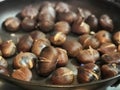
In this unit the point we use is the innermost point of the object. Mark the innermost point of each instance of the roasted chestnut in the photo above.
(107, 48)
(29, 11)
(103, 36)
(88, 56)
(4, 71)
(89, 40)
(39, 45)
(116, 37)
(62, 26)
(24, 59)
(3, 62)
(23, 74)
(62, 59)
(47, 61)
(12, 24)
(106, 22)
(8, 48)
(109, 70)
(62, 76)
(25, 43)
(92, 21)
(72, 47)
(57, 38)
(28, 24)
(113, 57)
(80, 27)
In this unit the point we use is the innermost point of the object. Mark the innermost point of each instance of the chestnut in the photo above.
(88, 56)
(8, 48)
(106, 22)
(4, 71)
(118, 48)
(24, 59)
(37, 35)
(3, 62)
(109, 70)
(113, 57)
(25, 43)
(92, 21)
(62, 59)
(62, 26)
(62, 76)
(72, 47)
(47, 61)
(12, 24)
(29, 11)
(80, 27)
(107, 48)
(116, 37)
(23, 74)
(39, 45)
(57, 38)
(89, 40)
(103, 36)
(28, 24)
(86, 75)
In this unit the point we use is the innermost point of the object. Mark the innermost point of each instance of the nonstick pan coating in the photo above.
(13, 7)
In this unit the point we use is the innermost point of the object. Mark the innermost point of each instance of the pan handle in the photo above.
(116, 83)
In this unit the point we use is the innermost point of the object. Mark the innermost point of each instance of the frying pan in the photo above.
(13, 7)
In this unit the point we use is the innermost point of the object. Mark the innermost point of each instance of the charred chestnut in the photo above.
(3, 62)
(88, 56)
(24, 60)
(72, 47)
(109, 70)
(106, 22)
(23, 74)
(62, 76)
(62, 59)
(4, 71)
(47, 61)
(103, 36)
(89, 40)
(25, 43)
(12, 24)
(8, 48)
(116, 38)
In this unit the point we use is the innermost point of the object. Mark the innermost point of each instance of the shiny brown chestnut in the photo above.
(28, 24)
(23, 74)
(39, 45)
(47, 61)
(109, 70)
(72, 47)
(116, 37)
(62, 76)
(113, 57)
(57, 38)
(4, 71)
(24, 59)
(103, 36)
(37, 35)
(62, 26)
(62, 59)
(107, 48)
(29, 11)
(80, 27)
(92, 21)
(25, 43)
(3, 62)
(89, 40)
(12, 24)
(106, 22)
(8, 48)
(88, 56)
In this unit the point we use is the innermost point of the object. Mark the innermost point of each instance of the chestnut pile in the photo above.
(55, 35)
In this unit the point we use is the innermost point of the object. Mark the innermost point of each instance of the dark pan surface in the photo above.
(13, 7)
